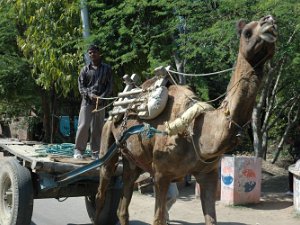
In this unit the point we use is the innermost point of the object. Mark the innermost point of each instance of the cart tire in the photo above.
(16, 193)
(109, 214)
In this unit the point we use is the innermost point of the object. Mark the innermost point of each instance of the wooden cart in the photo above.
(25, 176)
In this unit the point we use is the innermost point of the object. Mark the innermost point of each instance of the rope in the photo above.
(174, 81)
(64, 149)
(235, 123)
(149, 131)
(193, 100)
(97, 110)
(226, 92)
(200, 75)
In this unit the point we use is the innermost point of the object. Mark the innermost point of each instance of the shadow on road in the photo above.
(132, 222)
(270, 205)
(137, 222)
(179, 222)
(79, 224)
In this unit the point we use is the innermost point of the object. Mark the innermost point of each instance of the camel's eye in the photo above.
(247, 33)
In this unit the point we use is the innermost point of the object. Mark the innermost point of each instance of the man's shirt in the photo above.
(95, 81)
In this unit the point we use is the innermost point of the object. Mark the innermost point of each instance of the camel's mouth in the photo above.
(269, 33)
(268, 29)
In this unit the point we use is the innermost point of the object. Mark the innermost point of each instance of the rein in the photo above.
(199, 156)
(241, 128)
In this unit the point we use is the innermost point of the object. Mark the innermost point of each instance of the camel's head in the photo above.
(257, 39)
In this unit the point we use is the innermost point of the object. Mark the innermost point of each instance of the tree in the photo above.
(51, 41)
(16, 85)
(277, 110)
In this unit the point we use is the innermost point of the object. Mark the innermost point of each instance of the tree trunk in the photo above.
(53, 113)
(261, 114)
(5, 129)
(256, 128)
(180, 68)
(280, 145)
(47, 116)
(291, 121)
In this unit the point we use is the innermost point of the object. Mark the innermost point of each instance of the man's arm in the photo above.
(83, 90)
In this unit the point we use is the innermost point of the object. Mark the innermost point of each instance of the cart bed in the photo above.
(28, 154)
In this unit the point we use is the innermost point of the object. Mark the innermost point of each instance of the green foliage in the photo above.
(16, 84)
(51, 42)
(132, 34)
(288, 48)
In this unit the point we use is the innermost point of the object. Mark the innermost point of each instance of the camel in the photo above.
(212, 133)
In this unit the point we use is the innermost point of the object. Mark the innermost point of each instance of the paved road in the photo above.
(71, 212)
(274, 209)
(51, 212)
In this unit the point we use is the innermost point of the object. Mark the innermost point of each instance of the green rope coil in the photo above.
(64, 149)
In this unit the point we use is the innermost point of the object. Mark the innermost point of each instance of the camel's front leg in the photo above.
(106, 173)
(208, 185)
(130, 175)
(161, 189)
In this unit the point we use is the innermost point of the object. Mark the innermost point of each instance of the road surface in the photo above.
(274, 209)
(51, 212)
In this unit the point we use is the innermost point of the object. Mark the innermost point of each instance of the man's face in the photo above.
(94, 54)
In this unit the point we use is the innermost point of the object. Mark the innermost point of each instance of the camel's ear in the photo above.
(240, 26)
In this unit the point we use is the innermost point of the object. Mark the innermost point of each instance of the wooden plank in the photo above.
(128, 101)
(61, 168)
(8, 141)
(32, 142)
(62, 159)
(128, 93)
(25, 152)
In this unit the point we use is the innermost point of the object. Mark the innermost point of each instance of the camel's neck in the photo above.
(242, 90)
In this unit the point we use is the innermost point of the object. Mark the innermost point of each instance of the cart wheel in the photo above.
(16, 194)
(109, 214)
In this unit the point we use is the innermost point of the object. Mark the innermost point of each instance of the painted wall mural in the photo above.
(240, 179)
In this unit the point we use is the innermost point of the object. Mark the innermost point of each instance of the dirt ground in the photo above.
(275, 207)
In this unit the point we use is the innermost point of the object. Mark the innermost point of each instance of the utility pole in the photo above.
(85, 25)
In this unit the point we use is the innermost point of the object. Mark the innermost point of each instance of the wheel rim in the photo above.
(6, 199)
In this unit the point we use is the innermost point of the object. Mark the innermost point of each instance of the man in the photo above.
(172, 195)
(94, 83)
